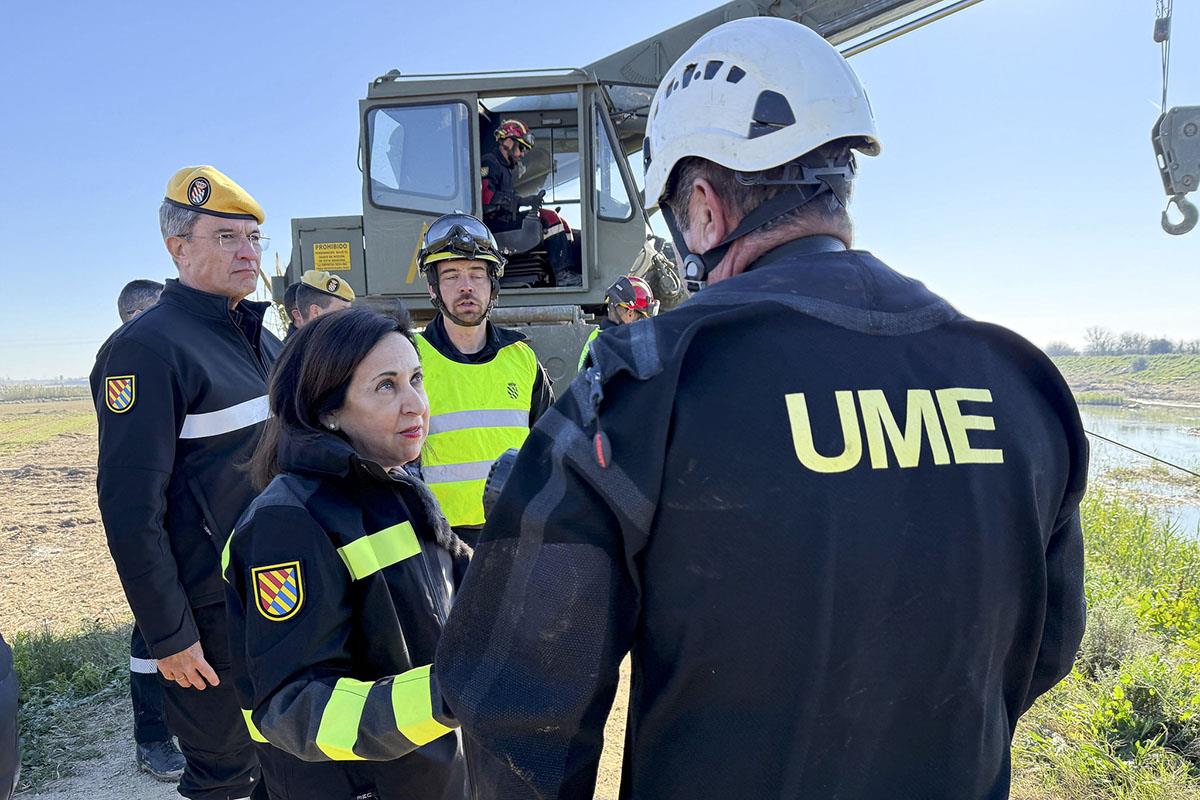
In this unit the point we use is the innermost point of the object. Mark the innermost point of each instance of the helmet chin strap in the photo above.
(806, 185)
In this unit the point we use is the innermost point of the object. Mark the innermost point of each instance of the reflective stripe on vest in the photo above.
(476, 412)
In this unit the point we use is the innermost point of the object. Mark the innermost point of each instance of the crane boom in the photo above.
(645, 63)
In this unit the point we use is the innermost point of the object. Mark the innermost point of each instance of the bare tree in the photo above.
(1060, 349)
(1100, 341)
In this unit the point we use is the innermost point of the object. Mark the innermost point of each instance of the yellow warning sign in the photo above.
(331, 256)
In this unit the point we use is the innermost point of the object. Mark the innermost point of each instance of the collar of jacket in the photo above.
(497, 339)
(210, 306)
(326, 456)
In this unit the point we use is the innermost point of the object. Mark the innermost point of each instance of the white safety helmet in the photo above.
(750, 95)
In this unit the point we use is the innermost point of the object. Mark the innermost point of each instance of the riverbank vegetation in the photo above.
(1126, 722)
(1173, 377)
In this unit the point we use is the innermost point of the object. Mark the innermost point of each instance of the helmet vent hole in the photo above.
(736, 73)
(711, 69)
(771, 112)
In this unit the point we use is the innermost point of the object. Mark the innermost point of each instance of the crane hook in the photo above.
(1190, 216)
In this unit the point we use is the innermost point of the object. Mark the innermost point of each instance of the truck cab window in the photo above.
(420, 158)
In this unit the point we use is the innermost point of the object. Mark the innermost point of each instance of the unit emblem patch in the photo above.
(199, 190)
(119, 393)
(483, 172)
(278, 590)
(512, 390)
(332, 285)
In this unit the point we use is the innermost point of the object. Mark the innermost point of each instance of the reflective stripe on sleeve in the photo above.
(413, 706)
(449, 473)
(338, 730)
(489, 418)
(255, 733)
(371, 553)
(226, 420)
(143, 666)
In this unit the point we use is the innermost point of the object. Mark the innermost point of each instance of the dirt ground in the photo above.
(58, 574)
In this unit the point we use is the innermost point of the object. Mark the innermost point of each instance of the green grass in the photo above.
(64, 678)
(25, 424)
(1173, 370)
(1126, 723)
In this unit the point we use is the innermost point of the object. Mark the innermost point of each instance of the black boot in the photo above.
(162, 760)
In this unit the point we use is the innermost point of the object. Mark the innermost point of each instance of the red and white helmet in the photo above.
(630, 291)
(515, 129)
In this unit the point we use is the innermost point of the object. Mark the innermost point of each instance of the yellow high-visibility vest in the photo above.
(476, 412)
(586, 345)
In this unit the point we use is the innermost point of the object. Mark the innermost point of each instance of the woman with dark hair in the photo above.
(341, 573)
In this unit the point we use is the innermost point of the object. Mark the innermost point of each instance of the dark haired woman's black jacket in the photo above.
(340, 576)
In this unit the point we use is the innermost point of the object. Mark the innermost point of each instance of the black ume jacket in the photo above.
(838, 530)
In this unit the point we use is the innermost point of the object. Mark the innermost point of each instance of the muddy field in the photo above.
(58, 575)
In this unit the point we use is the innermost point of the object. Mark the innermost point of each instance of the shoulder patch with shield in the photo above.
(119, 393)
(278, 590)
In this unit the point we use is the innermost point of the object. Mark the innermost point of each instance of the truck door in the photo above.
(419, 165)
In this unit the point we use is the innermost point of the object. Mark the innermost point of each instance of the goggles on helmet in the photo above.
(460, 236)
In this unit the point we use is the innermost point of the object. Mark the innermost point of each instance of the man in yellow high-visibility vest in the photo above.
(486, 387)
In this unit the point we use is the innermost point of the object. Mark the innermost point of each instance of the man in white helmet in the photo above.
(835, 521)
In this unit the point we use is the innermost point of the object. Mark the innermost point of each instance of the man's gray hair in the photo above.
(136, 297)
(742, 198)
(176, 221)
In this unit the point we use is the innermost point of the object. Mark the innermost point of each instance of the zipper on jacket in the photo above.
(256, 357)
(434, 588)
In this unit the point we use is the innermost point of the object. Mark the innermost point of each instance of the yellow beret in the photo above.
(208, 190)
(328, 284)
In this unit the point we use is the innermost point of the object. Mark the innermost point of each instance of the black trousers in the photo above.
(145, 692)
(221, 762)
(10, 758)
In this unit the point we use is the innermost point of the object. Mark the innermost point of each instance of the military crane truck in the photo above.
(420, 141)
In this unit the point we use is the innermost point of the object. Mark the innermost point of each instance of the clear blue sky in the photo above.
(1017, 177)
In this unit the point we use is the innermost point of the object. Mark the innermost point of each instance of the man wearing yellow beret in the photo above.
(181, 397)
(320, 293)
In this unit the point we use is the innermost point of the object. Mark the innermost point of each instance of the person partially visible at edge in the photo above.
(628, 299)
(289, 308)
(835, 520)
(502, 205)
(10, 754)
(180, 395)
(155, 751)
(317, 293)
(486, 387)
(341, 573)
(136, 296)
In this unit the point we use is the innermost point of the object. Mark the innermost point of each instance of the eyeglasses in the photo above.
(232, 242)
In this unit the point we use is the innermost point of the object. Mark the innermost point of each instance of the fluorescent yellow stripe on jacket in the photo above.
(373, 552)
(347, 711)
(476, 412)
(339, 721)
(413, 706)
(255, 733)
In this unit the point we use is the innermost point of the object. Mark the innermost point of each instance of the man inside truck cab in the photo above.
(486, 387)
(502, 204)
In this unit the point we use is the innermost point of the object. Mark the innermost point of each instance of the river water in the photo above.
(1169, 432)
